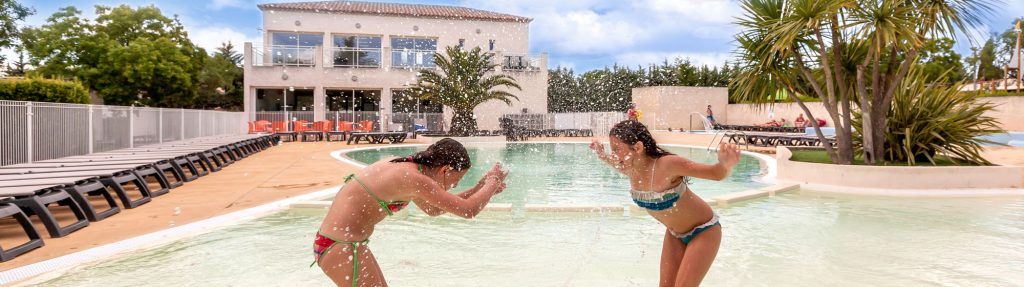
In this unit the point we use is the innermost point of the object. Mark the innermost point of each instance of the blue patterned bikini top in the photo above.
(655, 200)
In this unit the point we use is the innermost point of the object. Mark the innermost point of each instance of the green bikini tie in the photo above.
(355, 255)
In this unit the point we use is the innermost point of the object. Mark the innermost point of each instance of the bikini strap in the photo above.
(654, 168)
(383, 204)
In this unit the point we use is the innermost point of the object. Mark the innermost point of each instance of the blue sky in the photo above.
(581, 34)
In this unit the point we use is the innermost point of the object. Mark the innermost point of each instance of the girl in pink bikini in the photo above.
(385, 187)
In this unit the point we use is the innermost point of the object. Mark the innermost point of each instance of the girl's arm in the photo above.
(435, 200)
(728, 156)
(434, 211)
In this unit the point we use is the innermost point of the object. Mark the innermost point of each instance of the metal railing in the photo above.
(33, 131)
(355, 58)
(599, 122)
(520, 63)
(303, 56)
(407, 58)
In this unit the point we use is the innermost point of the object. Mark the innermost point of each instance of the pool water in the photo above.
(1014, 139)
(569, 173)
(795, 239)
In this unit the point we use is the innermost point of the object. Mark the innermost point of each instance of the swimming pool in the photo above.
(787, 240)
(1015, 139)
(569, 173)
(795, 239)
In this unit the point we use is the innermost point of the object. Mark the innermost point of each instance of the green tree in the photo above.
(937, 57)
(17, 68)
(463, 81)
(987, 69)
(130, 56)
(852, 54)
(1007, 43)
(562, 90)
(11, 12)
(220, 84)
(57, 48)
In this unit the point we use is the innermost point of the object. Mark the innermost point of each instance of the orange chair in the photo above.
(299, 126)
(262, 126)
(324, 126)
(279, 126)
(344, 126)
(251, 127)
(366, 126)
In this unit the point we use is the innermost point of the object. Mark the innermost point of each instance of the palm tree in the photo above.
(464, 80)
(851, 54)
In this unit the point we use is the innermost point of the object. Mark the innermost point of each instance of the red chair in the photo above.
(344, 126)
(262, 126)
(279, 126)
(300, 126)
(251, 129)
(324, 126)
(366, 126)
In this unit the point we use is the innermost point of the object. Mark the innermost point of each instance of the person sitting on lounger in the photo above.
(386, 187)
(771, 123)
(800, 122)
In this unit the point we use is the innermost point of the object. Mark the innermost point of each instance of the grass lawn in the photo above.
(820, 156)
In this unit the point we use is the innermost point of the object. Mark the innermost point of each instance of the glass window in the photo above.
(403, 43)
(492, 45)
(356, 51)
(366, 101)
(413, 52)
(287, 39)
(368, 42)
(405, 102)
(269, 100)
(339, 100)
(301, 100)
(311, 40)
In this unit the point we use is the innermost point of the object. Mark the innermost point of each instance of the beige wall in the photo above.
(894, 178)
(666, 107)
(512, 38)
(744, 114)
(1010, 112)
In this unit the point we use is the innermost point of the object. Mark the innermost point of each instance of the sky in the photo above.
(578, 34)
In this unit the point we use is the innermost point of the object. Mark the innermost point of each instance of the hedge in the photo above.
(43, 90)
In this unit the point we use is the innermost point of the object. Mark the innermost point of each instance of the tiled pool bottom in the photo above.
(787, 240)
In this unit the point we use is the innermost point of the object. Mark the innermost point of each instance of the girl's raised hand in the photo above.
(728, 154)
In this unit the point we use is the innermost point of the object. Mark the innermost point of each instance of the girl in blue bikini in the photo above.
(386, 187)
(659, 184)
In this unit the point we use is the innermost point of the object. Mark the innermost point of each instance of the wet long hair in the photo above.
(632, 131)
(446, 152)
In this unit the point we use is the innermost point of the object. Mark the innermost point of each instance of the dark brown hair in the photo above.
(632, 131)
(445, 152)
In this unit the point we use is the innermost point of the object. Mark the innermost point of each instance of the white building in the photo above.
(349, 60)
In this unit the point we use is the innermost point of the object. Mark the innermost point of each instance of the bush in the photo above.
(43, 90)
(928, 120)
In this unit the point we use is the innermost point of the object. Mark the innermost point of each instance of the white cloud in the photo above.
(614, 29)
(210, 38)
(632, 59)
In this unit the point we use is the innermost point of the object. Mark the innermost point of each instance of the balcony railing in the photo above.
(520, 63)
(303, 56)
(405, 58)
(355, 57)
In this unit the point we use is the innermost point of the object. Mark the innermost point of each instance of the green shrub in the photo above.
(927, 121)
(43, 90)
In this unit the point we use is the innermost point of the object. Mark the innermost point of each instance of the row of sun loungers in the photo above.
(377, 138)
(774, 139)
(141, 173)
(762, 128)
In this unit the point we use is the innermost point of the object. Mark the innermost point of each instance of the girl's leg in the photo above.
(672, 250)
(699, 255)
(337, 264)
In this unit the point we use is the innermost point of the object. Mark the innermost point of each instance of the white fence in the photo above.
(599, 122)
(33, 131)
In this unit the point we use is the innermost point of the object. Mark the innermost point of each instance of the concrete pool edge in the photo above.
(51, 268)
